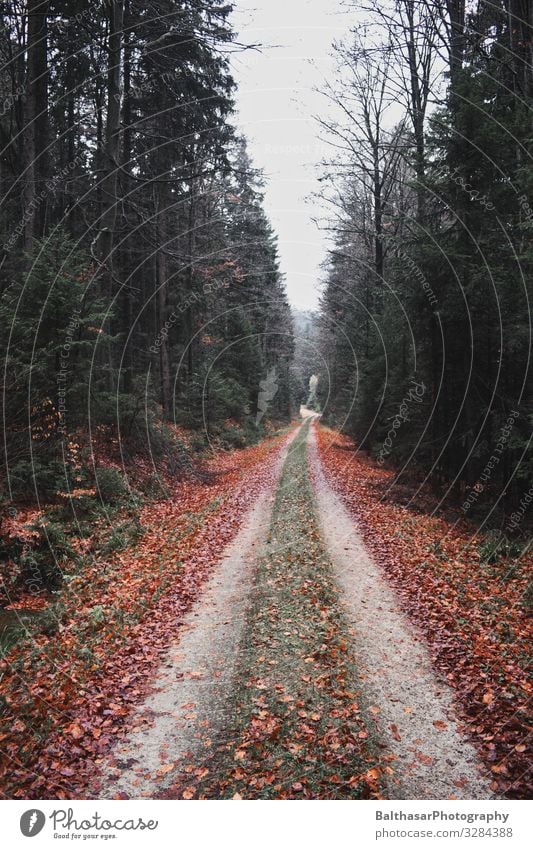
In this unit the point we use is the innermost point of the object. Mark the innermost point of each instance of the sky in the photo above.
(276, 103)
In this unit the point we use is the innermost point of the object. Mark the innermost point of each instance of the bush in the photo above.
(122, 537)
(39, 563)
(198, 442)
(110, 485)
(154, 486)
(29, 478)
(233, 437)
(527, 598)
(496, 546)
(35, 563)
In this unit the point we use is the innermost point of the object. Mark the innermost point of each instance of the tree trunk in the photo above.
(456, 14)
(126, 260)
(112, 153)
(161, 283)
(191, 245)
(112, 140)
(36, 123)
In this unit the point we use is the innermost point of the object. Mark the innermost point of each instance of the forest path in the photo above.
(413, 709)
(296, 674)
(191, 695)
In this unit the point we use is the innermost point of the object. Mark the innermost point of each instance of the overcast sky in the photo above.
(276, 104)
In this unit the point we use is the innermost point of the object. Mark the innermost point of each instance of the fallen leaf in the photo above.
(163, 770)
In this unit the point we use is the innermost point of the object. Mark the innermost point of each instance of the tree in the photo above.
(50, 322)
(453, 315)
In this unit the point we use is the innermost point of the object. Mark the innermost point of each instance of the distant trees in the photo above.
(307, 351)
(121, 172)
(449, 210)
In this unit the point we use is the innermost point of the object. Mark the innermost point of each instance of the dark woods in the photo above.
(139, 277)
(426, 321)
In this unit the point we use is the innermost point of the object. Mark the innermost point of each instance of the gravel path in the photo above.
(191, 697)
(429, 757)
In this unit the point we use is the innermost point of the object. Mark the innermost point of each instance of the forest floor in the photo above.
(293, 645)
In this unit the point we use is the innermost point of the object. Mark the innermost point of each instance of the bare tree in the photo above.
(366, 145)
(412, 32)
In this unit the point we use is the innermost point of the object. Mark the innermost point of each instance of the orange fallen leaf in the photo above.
(75, 731)
(164, 769)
